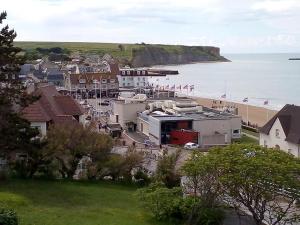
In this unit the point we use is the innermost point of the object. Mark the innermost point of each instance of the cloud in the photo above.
(255, 25)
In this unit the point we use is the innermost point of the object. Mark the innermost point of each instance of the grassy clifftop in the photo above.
(135, 54)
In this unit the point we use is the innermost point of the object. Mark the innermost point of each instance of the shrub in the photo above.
(206, 216)
(142, 178)
(164, 203)
(8, 217)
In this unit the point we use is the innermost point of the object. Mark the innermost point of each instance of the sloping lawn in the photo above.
(39, 202)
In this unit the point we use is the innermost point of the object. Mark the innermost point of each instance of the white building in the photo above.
(137, 78)
(283, 131)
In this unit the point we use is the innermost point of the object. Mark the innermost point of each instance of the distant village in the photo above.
(129, 103)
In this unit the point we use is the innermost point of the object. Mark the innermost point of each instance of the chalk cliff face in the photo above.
(150, 55)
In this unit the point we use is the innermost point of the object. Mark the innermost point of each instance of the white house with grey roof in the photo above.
(283, 131)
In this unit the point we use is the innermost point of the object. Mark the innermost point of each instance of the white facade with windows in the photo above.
(133, 81)
(277, 139)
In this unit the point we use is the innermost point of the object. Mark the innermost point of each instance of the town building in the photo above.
(176, 121)
(283, 131)
(52, 108)
(133, 78)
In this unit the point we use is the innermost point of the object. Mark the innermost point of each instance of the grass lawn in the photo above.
(39, 202)
(246, 140)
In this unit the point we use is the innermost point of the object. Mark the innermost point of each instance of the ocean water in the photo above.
(258, 77)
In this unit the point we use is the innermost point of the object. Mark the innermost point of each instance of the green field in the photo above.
(93, 48)
(74, 203)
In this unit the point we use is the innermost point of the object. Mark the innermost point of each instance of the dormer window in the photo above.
(123, 72)
(82, 81)
(112, 80)
(128, 72)
(138, 72)
(144, 72)
(104, 81)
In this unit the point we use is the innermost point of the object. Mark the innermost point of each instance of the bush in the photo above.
(142, 178)
(164, 203)
(206, 216)
(8, 217)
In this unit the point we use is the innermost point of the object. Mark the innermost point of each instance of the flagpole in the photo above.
(247, 114)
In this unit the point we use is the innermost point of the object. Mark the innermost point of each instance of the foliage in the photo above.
(15, 132)
(164, 203)
(254, 178)
(142, 178)
(62, 202)
(69, 142)
(166, 171)
(122, 165)
(8, 217)
(206, 216)
(202, 179)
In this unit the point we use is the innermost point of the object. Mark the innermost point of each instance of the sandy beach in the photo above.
(256, 115)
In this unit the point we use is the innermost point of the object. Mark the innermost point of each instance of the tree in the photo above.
(69, 142)
(15, 132)
(166, 171)
(261, 181)
(121, 47)
(202, 179)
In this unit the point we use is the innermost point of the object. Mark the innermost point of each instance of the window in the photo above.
(137, 84)
(13, 76)
(265, 144)
(123, 72)
(144, 72)
(112, 81)
(277, 133)
(236, 131)
(123, 78)
(138, 79)
(124, 84)
(143, 78)
(81, 81)
(104, 81)
(128, 72)
(138, 72)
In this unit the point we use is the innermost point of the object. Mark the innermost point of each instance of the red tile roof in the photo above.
(52, 106)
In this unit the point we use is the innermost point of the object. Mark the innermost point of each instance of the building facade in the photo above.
(283, 131)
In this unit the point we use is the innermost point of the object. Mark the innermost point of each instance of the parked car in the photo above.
(191, 145)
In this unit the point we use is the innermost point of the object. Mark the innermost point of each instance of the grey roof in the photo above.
(289, 117)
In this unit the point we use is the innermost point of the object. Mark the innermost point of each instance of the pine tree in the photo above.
(15, 132)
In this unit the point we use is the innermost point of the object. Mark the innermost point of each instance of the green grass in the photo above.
(246, 140)
(40, 202)
(250, 132)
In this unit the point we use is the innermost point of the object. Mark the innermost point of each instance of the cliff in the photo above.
(150, 55)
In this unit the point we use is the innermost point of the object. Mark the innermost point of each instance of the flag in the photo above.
(167, 78)
(167, 87)
(173, 87)
(245, 99)
(157, 86)
(157, 79)
(186, 87)
(179, 87)
(266, 102)
(223, 96)
(192, 87)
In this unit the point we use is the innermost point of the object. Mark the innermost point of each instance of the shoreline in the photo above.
(257, 115)
(212, 61)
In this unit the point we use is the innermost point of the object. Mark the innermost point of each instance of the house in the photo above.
(133, 78)
(87, 84)
(55, 77)
(52, 108)
(283, 131)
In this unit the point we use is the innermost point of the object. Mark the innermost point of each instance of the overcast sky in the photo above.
(233, 25)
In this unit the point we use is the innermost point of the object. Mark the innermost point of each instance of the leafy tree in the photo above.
(163, 203)
(69, 142)
(202, 179)
(166, 171)
(261, 181)
(121, 47)
(15, 132)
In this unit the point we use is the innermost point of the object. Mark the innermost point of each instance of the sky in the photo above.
(236, 26)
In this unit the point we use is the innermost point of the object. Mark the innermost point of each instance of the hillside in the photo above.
(135, 54)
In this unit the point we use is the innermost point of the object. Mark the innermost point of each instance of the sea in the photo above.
(268, 80)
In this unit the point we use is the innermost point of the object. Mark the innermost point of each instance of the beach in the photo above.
(256, 115)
